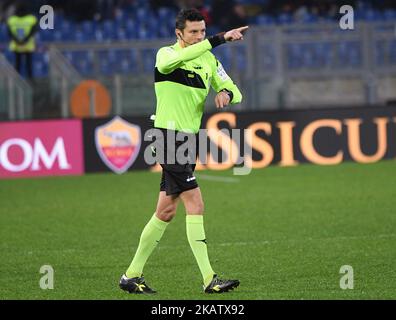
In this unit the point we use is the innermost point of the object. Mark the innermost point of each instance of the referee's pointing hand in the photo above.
(235, 34)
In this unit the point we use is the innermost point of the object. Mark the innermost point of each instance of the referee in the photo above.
(184, 73)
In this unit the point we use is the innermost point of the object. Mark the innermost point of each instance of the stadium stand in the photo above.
(137, 21)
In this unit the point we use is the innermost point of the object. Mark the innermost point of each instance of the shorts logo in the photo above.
(118, 144)
(190, 179)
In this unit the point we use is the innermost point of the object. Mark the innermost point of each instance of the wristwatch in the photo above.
(230, 94)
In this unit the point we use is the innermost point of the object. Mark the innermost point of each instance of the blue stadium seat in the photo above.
(165, 14)
(121, 17)
(80, 60)
(390, 15)
(285, 18)
(241, 59)
(309, 18)
(141, 3)
(99, 35)
(323, 54)
(57, 36)
(142, 14)
(108, 28)
(164, 31)
(392, 52)
(131, 29)
(88, 27)
(121, 34)
(372, 15)
(307, 55)
(68, 31)
(112, 55)
(153, 26)
(108, 25)
(143, 33)
(105, 68)
(317, 55)
(268, 57)
(265, 20)
(38, 36)
(84, 68)
(40, 64)
(9, 56)
(58, 20)
(294, 53)
(3, 33)
(68, 55)
(223, 54)
(47, 35)
(359, 14)
(125, 65)
(86, 31)
(379, 53)
(80, 36)
(118, 61)
(148, 57)
(211, 30)
(39, 69)
(121, 61)
(349, 54)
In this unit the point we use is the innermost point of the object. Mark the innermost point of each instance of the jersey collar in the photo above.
(177, 46)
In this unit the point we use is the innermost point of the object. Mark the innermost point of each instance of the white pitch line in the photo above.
(217, 178)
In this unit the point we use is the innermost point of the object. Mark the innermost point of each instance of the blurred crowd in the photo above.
(223, 14)
(323, 8)
(217, 12)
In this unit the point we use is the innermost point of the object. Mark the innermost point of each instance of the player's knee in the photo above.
(197, 207)
(201, 207)
(167, 214)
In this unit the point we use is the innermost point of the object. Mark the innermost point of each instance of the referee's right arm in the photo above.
(169, 59)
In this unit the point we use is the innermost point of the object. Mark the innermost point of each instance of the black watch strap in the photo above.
(217, 39)
(230, 94)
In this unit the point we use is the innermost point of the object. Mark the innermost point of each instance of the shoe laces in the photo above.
(218, 281)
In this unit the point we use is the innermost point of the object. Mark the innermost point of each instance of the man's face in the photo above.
(194, 32)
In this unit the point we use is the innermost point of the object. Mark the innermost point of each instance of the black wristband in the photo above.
(217, 39)
(230, 94)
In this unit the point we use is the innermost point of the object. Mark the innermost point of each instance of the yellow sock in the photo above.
(149, 239)
(196, 238)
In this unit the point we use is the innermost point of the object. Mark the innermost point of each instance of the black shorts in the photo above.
(176, 177)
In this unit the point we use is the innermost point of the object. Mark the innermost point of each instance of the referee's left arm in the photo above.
(222, 82)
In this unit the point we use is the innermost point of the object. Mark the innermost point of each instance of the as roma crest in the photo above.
(118, 144)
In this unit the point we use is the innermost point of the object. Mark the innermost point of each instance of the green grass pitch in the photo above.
(283, 232)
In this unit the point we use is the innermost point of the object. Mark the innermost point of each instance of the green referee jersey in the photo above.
(183, 77)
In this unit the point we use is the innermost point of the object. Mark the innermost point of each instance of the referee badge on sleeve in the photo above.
(222, 74)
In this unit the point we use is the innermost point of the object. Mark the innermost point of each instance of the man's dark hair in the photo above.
(187, 14)
(21, 9)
